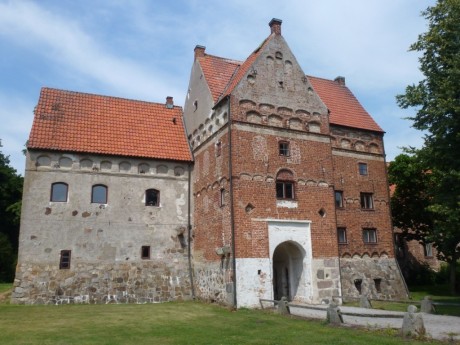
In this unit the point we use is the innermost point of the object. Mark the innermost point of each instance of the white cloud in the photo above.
(63, 41)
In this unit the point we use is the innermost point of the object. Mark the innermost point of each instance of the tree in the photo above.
(10, 198)
(437, 102)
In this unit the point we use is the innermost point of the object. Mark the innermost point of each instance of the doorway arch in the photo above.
(287, 269)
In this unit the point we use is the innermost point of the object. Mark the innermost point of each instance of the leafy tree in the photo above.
(10, 198)
(437, 102)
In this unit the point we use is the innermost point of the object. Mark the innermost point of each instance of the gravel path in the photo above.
(439, 327)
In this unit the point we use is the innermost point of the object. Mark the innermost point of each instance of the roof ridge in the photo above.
(106, 96)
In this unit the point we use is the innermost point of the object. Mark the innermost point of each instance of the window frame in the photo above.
(147, 202)
(367, 238)
(339, 204)
(55, 184)
(284, 148)
(284, 183)
(363, 169)
(367, 201)
(342, 230)
(106, 194)
(65, 259)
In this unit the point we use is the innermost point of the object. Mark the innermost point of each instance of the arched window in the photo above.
(59, 192)
(152, 197)
(99, 194)
(285, 185)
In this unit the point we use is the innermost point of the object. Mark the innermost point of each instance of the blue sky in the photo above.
(143, 50)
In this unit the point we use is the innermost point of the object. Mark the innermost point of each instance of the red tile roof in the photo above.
(345, 109)
(81, 122)
(217, 71)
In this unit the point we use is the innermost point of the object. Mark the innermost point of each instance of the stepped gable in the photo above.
(345, 109)
(81, 122)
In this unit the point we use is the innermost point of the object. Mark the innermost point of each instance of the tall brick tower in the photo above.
(290, 194)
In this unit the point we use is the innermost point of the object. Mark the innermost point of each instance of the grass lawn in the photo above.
(4, 287)
(172, 323)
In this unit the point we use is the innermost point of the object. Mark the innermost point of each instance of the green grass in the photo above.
(4, 287)
(172, 323)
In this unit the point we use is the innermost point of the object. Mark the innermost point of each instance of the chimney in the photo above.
(275, 26)
(169, 102)
(340, 80)
(199, 51)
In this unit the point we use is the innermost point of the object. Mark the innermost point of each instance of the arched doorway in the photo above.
(287, 269)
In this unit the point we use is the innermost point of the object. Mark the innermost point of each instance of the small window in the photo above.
(222, 198)
(64, 261)
(99, 194)
(284, 190)
(362, 168)
(429, 249)
(378, 284)
(152, 197)
(145, 252)
(370, 235)
(367, 201)
(218, 148)
(342, 235)
(59, 191)
(338, 199)
(283, 147)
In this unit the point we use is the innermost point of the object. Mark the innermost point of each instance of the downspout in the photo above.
(232, 220)
(391, 222)
(189, 231)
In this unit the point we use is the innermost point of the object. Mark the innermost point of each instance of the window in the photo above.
(429, 249)
(218, 148)
(370, 235)
(64, 261)
(367, 201)
(152, 197)
(222, 198)
(285, 185)
(283, 148)
(362, 168)
(145, 252)
(99, 194)
(338, 199)
(59, 192)
(342, 235)
(284, 190)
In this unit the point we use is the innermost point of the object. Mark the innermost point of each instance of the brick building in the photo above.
(288, 194)
(289, 176)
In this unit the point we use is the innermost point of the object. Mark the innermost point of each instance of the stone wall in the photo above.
(123, 250)
(374, 277)
(134, 282)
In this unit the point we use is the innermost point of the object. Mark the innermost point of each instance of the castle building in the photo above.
(288, 194)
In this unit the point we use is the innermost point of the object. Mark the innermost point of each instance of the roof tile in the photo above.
(81, 122)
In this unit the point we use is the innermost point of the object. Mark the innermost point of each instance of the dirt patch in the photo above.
(5, 296)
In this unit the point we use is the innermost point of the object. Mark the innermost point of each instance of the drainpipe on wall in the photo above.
(232, 220)
(189, 231)
(391, 222)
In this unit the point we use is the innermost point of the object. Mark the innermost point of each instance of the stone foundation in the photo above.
(135, 282)
(213, 282)
(378, 278)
